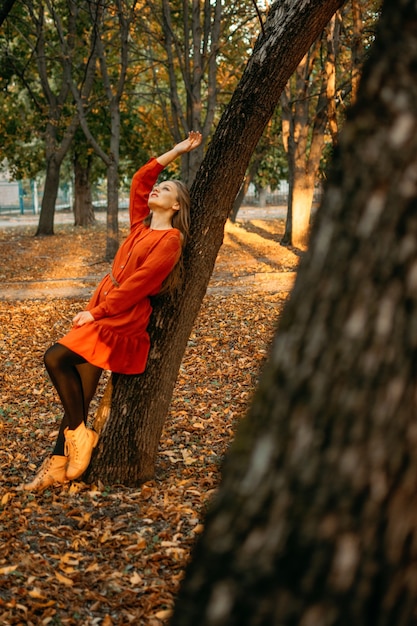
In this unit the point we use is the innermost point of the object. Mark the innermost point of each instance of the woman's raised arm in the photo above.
(193, 140)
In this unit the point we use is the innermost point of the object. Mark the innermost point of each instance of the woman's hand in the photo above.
(193, 140)
(82, 318)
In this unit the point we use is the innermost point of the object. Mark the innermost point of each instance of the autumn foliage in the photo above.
(93, 554)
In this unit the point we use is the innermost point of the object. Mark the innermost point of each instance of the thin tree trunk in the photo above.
(112, 239)
(288, 143)
(357, 46)
(314, 523)
(112, 242)
(140, 404)
(188, 62)
(302, 199)
(50, 193)
(306, 138)
(83, 204)
(55, 90)
(243, 191)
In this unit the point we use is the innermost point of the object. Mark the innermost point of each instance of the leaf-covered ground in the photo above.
(99, 554)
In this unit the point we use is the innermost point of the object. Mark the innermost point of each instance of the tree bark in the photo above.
(112, 239)
(252, 169)
(302, 189)
(140, 404)
(315, 520)
(83, 203)
(357, 46)
(50, 193)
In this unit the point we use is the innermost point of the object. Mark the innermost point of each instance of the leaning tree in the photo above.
(315, 521)
(135, 407)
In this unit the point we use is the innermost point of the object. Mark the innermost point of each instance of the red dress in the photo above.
(117, 339)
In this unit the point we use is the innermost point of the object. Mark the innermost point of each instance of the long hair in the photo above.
(181, 221)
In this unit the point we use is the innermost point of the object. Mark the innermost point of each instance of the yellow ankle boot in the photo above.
(53, 470)
(79, 444)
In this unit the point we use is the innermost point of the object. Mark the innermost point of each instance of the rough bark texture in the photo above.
(50, 193)
(83, 203)
(112, 240)
(315, 521)
(140, 404)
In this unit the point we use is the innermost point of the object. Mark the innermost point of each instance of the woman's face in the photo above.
(163, 196)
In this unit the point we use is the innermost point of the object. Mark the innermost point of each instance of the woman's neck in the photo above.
(160, 222)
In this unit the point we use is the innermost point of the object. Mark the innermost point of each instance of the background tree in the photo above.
(308, 110)
(194, 57)
(33, 58)
(129, 439)
(267, 166)
(109, 43)
(82, 158)
(327, 75)
(22, 149)
(314, 522)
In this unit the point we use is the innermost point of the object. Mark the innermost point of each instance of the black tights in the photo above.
(76, 381)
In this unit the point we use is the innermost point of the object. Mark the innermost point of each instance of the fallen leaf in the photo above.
(8, 569)
(64, 579)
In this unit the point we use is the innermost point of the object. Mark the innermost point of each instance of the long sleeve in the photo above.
(142, 182)
(145, 281)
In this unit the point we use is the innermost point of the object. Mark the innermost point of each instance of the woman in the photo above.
(111, 332)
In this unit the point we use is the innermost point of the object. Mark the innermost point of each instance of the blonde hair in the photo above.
(181, 221)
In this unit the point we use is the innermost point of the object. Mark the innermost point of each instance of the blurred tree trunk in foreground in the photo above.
(128, 445)
(315, 522)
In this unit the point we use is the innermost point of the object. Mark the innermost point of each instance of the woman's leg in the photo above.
(75, 385)
(61, 364)
(89, 376)
(75, 381)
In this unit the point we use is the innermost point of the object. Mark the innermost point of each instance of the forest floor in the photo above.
(106, 554)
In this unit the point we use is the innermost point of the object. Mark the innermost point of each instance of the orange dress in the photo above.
(117, 339)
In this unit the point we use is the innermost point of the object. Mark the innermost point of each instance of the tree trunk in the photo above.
(243, 191)
(306, 132)
(302, 189)
(60, 128)
(191, 58)
(289, 147)
(239, 198)
(83, 204)
(315, 520)
(357, 46)
(262, 197)
(112, 239)
(50, 193)
(140, 404)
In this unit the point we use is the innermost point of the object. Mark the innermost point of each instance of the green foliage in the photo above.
(169, 86)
